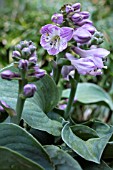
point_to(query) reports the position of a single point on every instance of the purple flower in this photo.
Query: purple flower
(54, 39)
(57, 18)
(84, 65)
(94, 53)
(7, 74)
(84, 21)
(23, 64)
(29, 90)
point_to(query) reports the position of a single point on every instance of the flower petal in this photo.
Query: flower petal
(67, 33)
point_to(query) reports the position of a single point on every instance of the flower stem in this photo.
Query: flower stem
(20, 103)
(74, 82)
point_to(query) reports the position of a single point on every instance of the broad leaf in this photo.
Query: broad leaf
(91, 149)
(11, 160)
(17, 139)
(45, 99)
(12, 67)
(90, 93)
(61, 159)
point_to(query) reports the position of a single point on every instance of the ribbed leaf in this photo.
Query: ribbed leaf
(45, 99)
(90, 93)
(90, 149)
(61, 159)
(10, 160)
(17, 139)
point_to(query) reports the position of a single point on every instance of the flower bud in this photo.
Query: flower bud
(82, 36)
(84, 21)
(18, 47)
(57, 18)
(7, 74)
(23, 64)
(24, 44)
(16, 55)
(29, 90)
(32, 48)
(76, 17)
(32, 60)
(76, 7)
(7, 108)
(85, 14)
(69, 9)
(40, 74)
(26, 52)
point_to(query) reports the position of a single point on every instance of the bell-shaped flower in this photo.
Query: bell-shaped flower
(54, 39)
(94, 53)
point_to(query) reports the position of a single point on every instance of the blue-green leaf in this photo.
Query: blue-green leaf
(11, 160)
(19, 140)
(90, 93)
(61, 159)
(90, 149)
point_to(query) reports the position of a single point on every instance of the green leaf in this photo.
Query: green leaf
(10, 160)
(19, 140)
(12, 67)
(61, 159)
(101, 128)
(91, 149)
(90, 93)
(45, 99)
(35, 109)
(84, 132)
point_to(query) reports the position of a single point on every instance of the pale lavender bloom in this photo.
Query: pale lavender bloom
(94, 53)
(33, 60)
(57, 18)
(83, 65)
(54, 39)
(29, 90)
(90, 62)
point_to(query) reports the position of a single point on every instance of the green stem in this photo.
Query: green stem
(57, 73)
(20, 103)
(74, 82)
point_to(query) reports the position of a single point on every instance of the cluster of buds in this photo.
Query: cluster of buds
(25, 57)
(72, 24)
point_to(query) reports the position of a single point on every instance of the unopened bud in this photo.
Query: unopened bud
(7, 74)
(32, 60)
(57, 18)
(24, 44)
(69, 9)
(32, 48)
(76, 7)
(29, 90)
(16, 55)
(23, 64)
(26, 52)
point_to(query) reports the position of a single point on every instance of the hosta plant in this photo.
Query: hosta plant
(40, 125)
